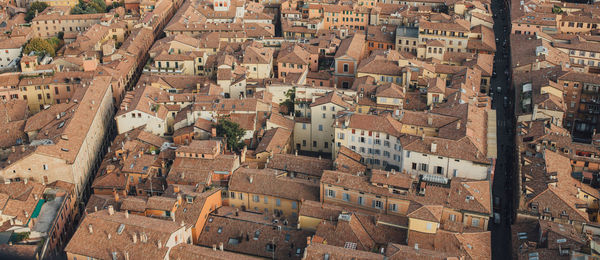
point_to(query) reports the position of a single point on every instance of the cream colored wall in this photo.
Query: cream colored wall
(155, 125)
(248, 201)
(422, 225)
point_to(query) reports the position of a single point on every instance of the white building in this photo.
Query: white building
(10, 50)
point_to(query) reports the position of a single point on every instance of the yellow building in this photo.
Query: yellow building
(270, 191)
(467, 202)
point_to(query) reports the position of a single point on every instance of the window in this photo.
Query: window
(326, 145)
(321, 126)
(294, 205)
(341, 136)
(324, 115)
(439, 169)
(361, 201)
(303, 125)
(255, 198)
(475, 222)
(45, 167)
(414, 166)
(314, 143)
(452, 217)
(346, 68)
(377, 204)
(423, 167)
(393, 207)
(428, 226)
(232, 195)
(266, 200)
(278, 202)
(331, 193)
(346, 196)
(303, 142)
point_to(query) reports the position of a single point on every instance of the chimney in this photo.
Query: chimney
(111, 210)
(126, 254)
(429, 120)
(416, 246)
(134, 237)
(213, 132)
(159, 244)
(214, 247)
(90, 228)
(108, 236)
(458, 125)
(176, 188)
(433, 147)
(221, 246)
(179, 199)
(126, 213)
(95, 208)
(12, 148)
(243, 154)
(250, 179)
(116, 195)
(25, 180)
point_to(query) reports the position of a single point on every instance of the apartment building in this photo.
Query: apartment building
(268, 191)
(582, 52)
(347, 58)
(581, 99)
(455, 203)
(125, 235)
(54, 20)
(454, 35)
(72, 150)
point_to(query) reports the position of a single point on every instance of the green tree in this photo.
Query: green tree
(35, 6)
(40, 47)
(232, 132)
(291, 98)
(556, 10)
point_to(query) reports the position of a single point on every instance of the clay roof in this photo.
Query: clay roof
(200, 147)
(189, 251)
(311, 166)
(318, 251)
(349, 161)
(98, 244)
(281, 121)
(269, 182)
(352, 47)
(431, 213)
(275, 140)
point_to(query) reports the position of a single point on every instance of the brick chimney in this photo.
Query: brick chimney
(111, 210)
(116, 195)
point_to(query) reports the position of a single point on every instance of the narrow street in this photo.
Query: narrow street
(502, 102)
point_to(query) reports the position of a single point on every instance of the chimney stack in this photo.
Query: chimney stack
(159, 244)
(116, 195)
(134, 237)
(221, 246)
(250, 179)
(429, 120)
(213, 131)
(433, 147)
(214, 247)
(126, 213)
(90, 228)
(458, 125)
(111, 210)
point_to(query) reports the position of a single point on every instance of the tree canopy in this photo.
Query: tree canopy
(91, 7)
(41, 46)
(35, 6)
(232, 132)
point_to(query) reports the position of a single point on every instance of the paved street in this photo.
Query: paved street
(502, 187)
